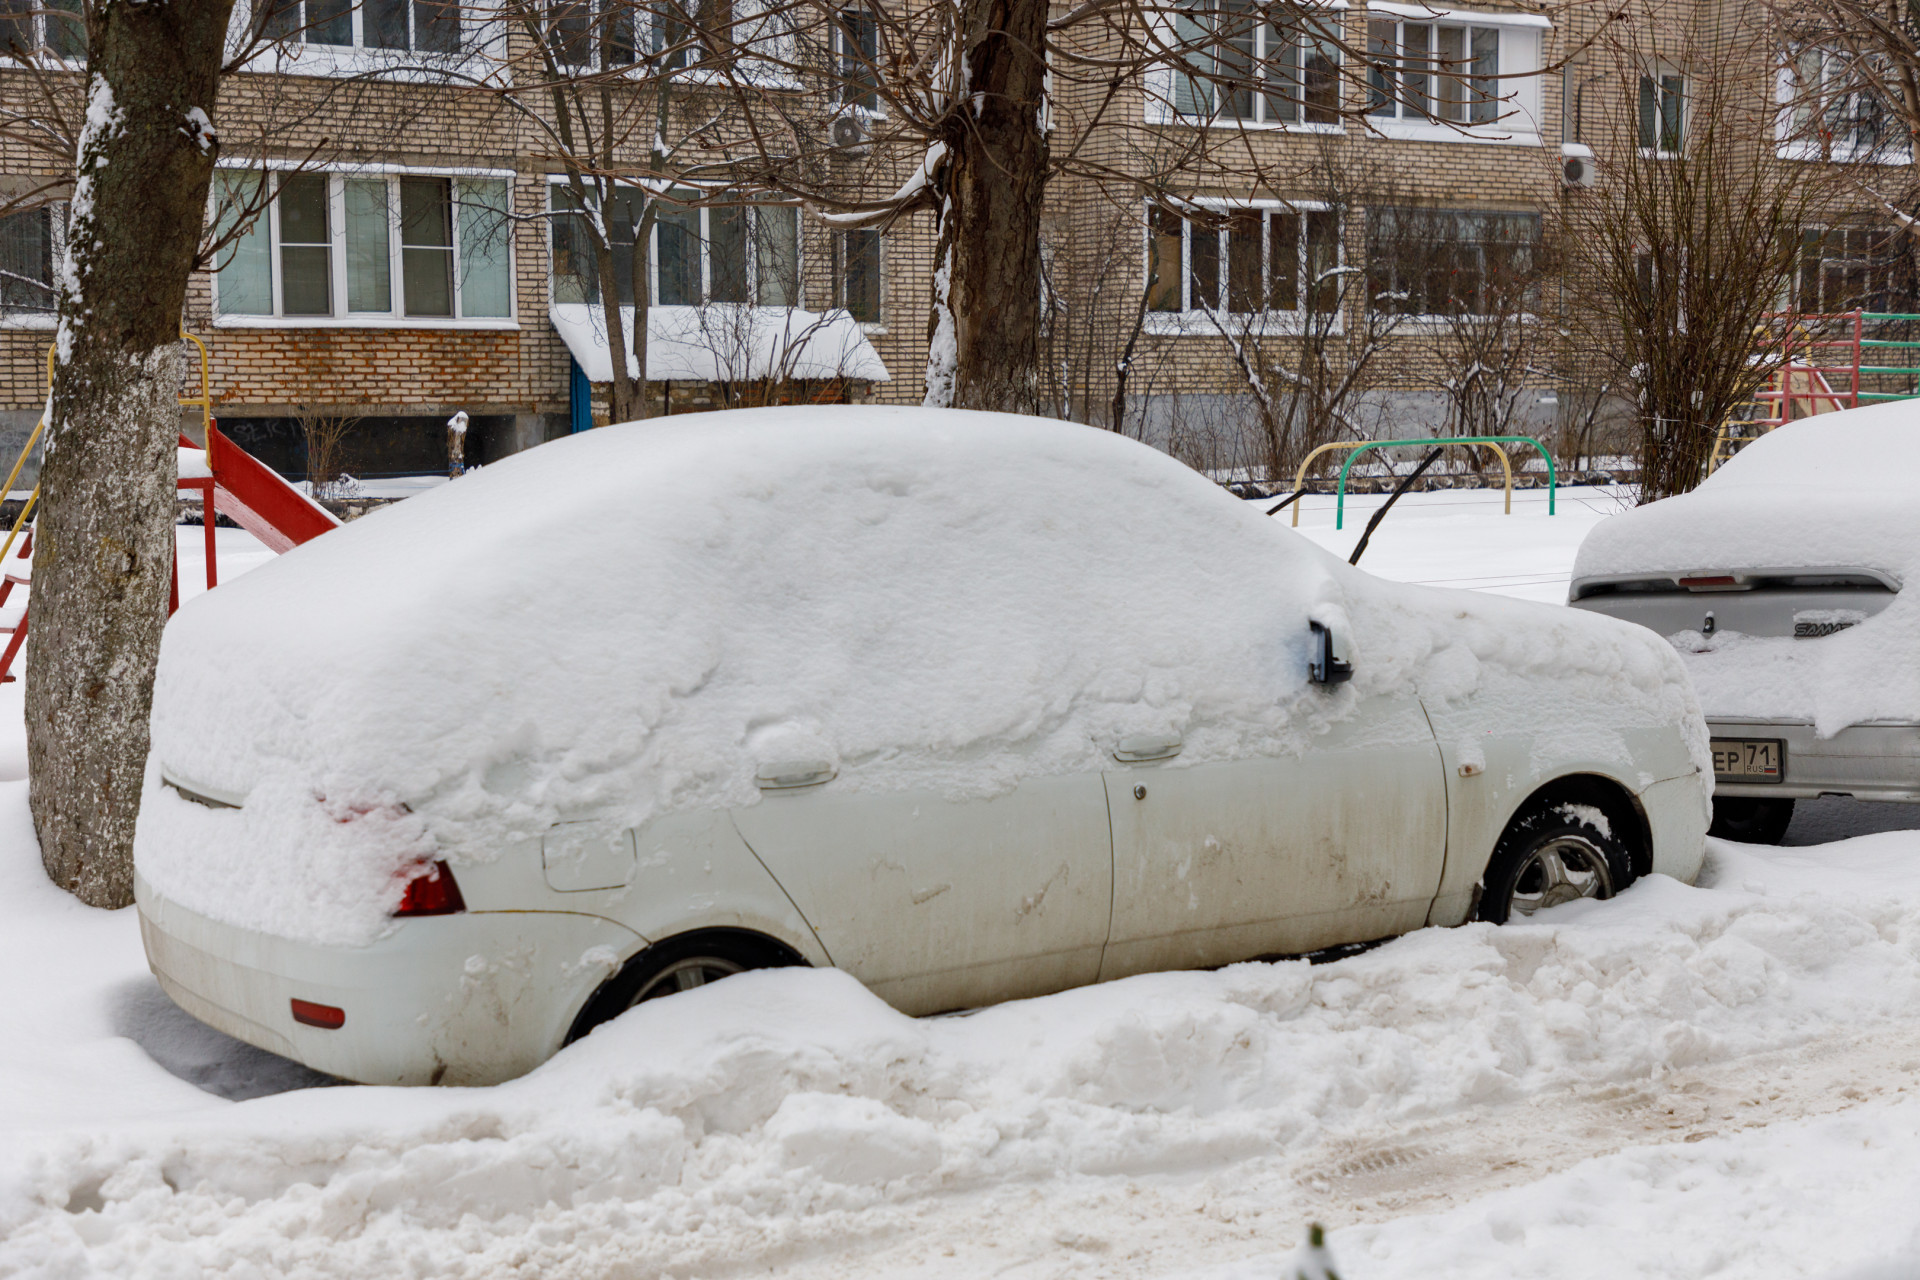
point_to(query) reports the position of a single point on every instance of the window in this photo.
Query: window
(1832, 108)
(1846, 267)
(27, 254)
(856, 274)
(856, 59)
(607, 34)
(1662, 113)
(1243, 68)
(728, 253)
(1255, 260)
(421, 26)
(28, 27)
(1446, 262)
(336, 246)
(1438, 71)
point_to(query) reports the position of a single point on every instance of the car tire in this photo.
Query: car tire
(1751, 819)
(676, 965)
(1549, 855)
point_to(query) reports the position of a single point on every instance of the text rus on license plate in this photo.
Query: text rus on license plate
(1749, 759)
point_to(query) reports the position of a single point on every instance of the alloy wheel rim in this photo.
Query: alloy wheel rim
(685, 975)
(1561, 870)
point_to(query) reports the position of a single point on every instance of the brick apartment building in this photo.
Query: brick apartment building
(414, 269)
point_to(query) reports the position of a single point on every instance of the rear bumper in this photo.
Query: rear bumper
(1865, 761)
(474, 998)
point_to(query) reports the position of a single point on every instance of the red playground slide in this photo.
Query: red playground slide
(255, 497)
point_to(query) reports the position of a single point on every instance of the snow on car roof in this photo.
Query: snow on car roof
(1833, 491)
(630, 621)
(1837, 492)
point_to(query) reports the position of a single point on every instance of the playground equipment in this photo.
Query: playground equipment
(228, 479)
(1357, 447)
(1822, 368)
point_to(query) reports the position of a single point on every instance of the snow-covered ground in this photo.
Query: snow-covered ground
(1720, 1080)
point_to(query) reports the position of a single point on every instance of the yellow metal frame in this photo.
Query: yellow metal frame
(21, 461)
(1300, 476)
(204, 401)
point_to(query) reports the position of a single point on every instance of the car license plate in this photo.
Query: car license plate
(1749, 759)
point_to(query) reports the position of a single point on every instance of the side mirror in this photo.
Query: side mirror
(1329, 661)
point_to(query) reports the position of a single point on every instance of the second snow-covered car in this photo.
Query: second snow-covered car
(972, 706)
(1779, 581)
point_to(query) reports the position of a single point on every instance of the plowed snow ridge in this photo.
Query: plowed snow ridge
(788, 1122)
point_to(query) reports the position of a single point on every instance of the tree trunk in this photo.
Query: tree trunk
(103, 547)
(984, 333)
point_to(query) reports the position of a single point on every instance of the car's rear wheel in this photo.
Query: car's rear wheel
(1750, 819)
(676, 965)
(1551, 855)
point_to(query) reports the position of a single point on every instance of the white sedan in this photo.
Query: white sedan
(1779, 581)
(972, 706)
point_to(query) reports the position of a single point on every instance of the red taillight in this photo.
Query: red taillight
(432, 893)
(1710, 582)
(324, 1016)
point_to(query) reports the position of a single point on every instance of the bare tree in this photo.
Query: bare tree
(104, 543)
(1675, 259)
(985, 103)
(323, 429)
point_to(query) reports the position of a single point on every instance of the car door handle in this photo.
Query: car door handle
(783, 775)
(1147, 746)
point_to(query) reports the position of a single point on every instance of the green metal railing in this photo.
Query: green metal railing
(1340, 499)
(1888, 344)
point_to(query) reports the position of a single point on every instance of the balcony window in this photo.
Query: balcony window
(1253, 261)
(1237, 66)
(1433, 72)
(334, 246)
(727, 253)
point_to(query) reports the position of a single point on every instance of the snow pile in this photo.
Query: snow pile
(630, 621)
(780, 1114)
(1837, 491)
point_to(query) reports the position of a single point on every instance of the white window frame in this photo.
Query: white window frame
(1193, 321)
(1520, 111)
(1161, 81)
(559, 182)
(41, 54)
(1657, 75)
(1792, 129)
(396, 317)
(837, 43)
(483, 40)
(57, 232)
(837, 264)
(1436, 320)
(1264, 58)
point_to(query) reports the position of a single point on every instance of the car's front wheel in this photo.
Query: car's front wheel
(1554, 854)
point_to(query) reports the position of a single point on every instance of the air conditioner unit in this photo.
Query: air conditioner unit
(1577, 168)
(849, 136)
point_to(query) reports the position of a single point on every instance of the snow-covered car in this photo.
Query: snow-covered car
(878, 688)
(1778, 581)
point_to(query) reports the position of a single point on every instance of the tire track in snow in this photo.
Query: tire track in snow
(1150, 1226)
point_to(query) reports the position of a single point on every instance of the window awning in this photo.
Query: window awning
(727, 342)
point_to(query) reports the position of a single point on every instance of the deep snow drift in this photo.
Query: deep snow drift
(890, 590)
(787, 1116)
